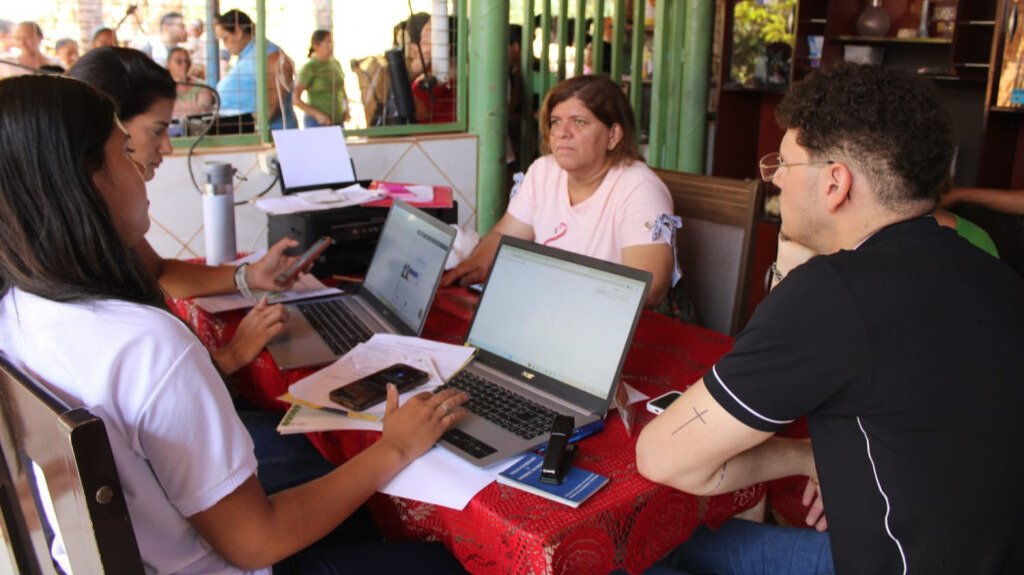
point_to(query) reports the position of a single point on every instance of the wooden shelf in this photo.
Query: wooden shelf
(890, 40)
(1007, 109)
(767, 89)
(958, 65)
(953, 78)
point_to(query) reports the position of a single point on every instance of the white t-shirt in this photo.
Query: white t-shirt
(624, 211)
(177, 441)
(159, 51)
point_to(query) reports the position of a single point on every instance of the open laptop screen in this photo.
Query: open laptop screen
(313, 158)
(561, 318)
(408, 262)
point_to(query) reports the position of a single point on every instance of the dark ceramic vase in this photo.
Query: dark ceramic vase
(874, 20)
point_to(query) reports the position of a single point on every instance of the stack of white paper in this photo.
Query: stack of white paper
(455, 480)
(440, 360)
(315, 200)
(308, 419)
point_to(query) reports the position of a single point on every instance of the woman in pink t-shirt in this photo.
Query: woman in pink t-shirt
(591, 193)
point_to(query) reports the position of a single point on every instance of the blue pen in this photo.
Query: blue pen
(581, 432)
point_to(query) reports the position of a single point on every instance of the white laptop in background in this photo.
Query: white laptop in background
(313, 158)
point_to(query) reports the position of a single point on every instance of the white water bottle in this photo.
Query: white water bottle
(219, 214)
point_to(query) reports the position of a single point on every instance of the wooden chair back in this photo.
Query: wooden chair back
(50, 448)
(716, 243)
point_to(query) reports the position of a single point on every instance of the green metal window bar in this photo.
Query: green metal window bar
(262, 135)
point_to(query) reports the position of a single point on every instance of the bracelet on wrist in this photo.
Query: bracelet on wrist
(241, 283)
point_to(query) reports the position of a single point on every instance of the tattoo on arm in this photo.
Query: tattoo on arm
(697, 416)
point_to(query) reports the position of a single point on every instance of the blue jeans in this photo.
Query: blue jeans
(417, 557)
(748, 548)
(283, 460)
(356, 545)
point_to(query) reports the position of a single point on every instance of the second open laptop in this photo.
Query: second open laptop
(552, 329)
(394, 298)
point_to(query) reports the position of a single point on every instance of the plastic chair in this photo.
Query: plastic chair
(716, 244)
(69, 447)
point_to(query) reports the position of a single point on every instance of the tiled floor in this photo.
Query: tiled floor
(176, 208)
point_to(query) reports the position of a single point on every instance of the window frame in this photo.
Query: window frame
(262, 135)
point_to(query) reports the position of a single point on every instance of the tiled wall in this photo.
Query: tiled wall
(176, 208)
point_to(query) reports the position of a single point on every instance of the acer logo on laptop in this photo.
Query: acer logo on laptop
(528, 375)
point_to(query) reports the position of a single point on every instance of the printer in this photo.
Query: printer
(317, 158)
(355, 230)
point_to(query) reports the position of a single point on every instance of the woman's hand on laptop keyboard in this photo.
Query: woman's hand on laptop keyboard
(262, 324)
(416, 426)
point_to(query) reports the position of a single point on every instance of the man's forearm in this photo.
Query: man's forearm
(1008, 201)
(698, 447)
(775, 458)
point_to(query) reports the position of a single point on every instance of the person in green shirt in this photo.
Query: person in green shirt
(323, 81)
(968, 230)
(964, 227)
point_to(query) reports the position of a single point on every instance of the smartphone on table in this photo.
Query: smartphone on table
(308, 257)
(661, 403)
(372, 389)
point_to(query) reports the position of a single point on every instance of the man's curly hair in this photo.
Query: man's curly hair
(887, 122)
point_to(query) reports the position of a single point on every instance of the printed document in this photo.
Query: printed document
(440, 360)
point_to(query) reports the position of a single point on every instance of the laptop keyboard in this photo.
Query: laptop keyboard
(507, 410)
(336, 323)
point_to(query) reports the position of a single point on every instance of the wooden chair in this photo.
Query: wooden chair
(716, 244)
(70, 449)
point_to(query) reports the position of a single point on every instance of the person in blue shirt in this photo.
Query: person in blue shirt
(237, 88)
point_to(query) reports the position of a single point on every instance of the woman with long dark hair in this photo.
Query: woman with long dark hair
(80, 311)
(145, 94)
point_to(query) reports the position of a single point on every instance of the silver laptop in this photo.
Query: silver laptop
(394, 298)
(552, 329)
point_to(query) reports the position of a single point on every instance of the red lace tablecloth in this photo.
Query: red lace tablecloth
(629, 524)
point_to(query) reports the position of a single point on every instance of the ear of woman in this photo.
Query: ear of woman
(614, 136)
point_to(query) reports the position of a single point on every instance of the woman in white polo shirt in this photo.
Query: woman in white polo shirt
(80, 311)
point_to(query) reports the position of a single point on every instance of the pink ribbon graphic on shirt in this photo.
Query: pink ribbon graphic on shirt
(560, 230)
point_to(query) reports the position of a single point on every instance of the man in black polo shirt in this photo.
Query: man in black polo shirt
(903, 345)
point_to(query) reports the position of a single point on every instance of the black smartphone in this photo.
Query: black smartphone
(308, 257)
(661, 403)
(372, 389)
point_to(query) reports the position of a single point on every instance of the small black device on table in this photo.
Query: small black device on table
(559, 453)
